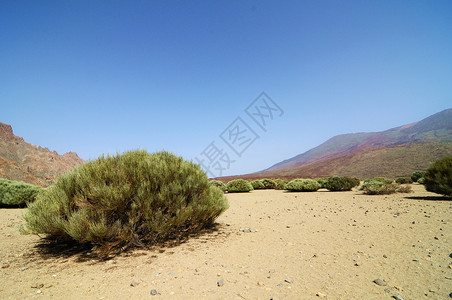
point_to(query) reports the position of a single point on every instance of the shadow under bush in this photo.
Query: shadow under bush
(133, 199)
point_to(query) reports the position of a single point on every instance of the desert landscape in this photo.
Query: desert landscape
(269, 244)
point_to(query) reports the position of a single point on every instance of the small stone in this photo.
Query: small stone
(134, 283)
(397, 297)
(380, 282)
(357, 264)
(220, 282)
(288, 280)
(24, 268)
(5, 266)
(416, 259)
(154, 292)
(38, 286)
(385, 256)
(260, 283)
(38, 292)
(320, 295)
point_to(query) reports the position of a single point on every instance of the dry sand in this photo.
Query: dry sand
(329, 245)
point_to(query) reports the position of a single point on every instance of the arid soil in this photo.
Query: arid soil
(268, 245)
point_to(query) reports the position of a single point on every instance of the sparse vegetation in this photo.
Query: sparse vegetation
(219, 184)
(404, 180)
(321, 181)
(268, 183)
(257, 184)
(438, 178)
(302, 185)
(417, 175)
(379, 187)
(280, 184)
(239, 186)
(131, 199)
(16, 193)
(341, 183)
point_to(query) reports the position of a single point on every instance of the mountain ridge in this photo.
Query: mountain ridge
(26, 162)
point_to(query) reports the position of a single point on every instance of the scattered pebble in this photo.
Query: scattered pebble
(397, 297)
(24, 268)
(134, 283)
(380, 282)
(416, 259)
(5, 266)
(220, 282)
(288, 280)
(154, 292)
(320, 295)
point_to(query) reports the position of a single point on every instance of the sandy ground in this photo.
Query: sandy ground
(329, 245)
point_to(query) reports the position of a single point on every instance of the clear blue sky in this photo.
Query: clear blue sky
(106, 76)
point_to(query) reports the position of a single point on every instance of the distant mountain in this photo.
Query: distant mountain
(395, 152)
(22, 161)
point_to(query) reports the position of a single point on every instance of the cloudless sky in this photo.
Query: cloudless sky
(108, 76)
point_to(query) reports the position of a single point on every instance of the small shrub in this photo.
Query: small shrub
(421, 180)
(417, 175)
(438, 177)
(340, 183)
(302, 185)
(15, 193)
(377, 187)
(130, 199)
(321, 181)
(257, 184)
(239, 186)
(268, 183)
(404, 189)
(218, 184)
(356, 181)
(404, 180)
(280, 184)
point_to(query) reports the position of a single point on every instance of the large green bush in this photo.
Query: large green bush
(417, 175)
(438, 178)
(218, 184)
(15, 193)
(131, 199)
(341, 183)
(302, 185)
(280, 184)
(268, 183)
(257, 184)
(239, 186)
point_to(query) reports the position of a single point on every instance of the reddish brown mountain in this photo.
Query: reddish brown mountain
(392, 153)
(22, 161)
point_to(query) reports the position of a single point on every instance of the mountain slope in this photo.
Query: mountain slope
(437, 127)
(22, 161)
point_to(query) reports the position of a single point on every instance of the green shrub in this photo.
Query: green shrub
(269, 183)
(218, 184)
(404, 189)
(421, 180)
(280, 184)
(403, 180)
(417, 175)
(378, 187)
(239, 186)
(340, 183)
(131, 199)
(302, 185)
(321, 181)
(438, 178)
(257, 185)
(356, 181)
(15, 193)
